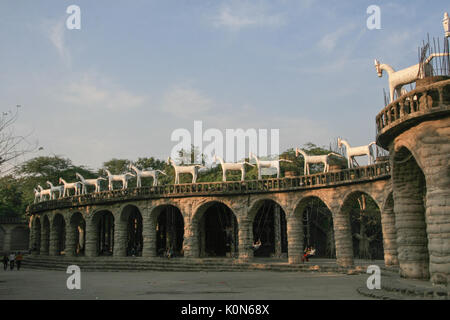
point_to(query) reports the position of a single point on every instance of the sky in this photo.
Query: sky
(138, 70)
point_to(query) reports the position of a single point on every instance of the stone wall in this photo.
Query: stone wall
(429, 145)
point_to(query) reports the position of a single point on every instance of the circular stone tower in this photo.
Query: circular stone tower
(415, 129)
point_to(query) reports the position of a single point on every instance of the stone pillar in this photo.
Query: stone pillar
(120, 237)
(410, 225)
(389, 236)
(190, 244)
(45, 238)
(277, 230)
(201, 235)
(233, 245)
(54, 239)
(149, 235)
(295, 238)
(91, 245)
(71, 239)
(343, 238)
(36, 239)
(245, 233)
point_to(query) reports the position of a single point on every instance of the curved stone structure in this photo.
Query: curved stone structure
(416, 131)
(109, 211)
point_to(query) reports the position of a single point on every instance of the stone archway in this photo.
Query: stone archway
(36, 245)
(169, 231)
(311, 220)
(57, 235)
(270, 227)
(131, 220)
(76, 235)
(100, 234)
(366, 229)
(45, 236)
(409, 194)
(216, 230)
(389, 233)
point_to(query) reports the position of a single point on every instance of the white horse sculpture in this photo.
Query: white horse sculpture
(146, 174)
(408, 75)
(325, 159)
(267, 164)
(357, 151)
(193, 170)
(240, 166)
(67, 186)
(45, 192)
(89, 182)
(59, 189)
(37, 195)
(118, 177)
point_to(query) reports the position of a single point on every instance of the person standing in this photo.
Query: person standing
(19, 259)
(5, 262)
(12, 257)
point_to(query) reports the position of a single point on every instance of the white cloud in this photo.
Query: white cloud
(236, 15)
(330, 41)
(55, 32)
(183, 101)
(100, 93)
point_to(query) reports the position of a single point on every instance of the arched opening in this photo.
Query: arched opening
(366, 230)
(45, 236)
(78, 226)
(269, 227)
(133, 219)
(218, 231)
(318, 227)
(409, 193)
(36, 245)
(59, 226)
(105, 233)
(20, 238)
(169, 231)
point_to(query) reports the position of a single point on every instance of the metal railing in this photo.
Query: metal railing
(376, 171)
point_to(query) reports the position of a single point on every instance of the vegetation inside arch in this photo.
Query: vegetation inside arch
(269, 227)
(170, 231)
(218, 232)
(318, 229)
(105, 234)
(365, 219)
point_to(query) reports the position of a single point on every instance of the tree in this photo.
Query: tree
(115, 166)
(12, 146)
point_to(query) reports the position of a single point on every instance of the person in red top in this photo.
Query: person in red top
(19, 259)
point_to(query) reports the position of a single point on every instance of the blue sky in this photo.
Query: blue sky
(137, 70)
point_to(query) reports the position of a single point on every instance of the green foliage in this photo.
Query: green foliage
(16, 191)
(11, 197)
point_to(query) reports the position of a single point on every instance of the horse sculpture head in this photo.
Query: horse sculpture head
(378, 68)
(339, 142)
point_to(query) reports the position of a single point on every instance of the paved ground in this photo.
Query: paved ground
(40, 284)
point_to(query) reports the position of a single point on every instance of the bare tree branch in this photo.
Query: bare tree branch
(12, 146)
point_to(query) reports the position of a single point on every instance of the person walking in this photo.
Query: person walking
(5, 262)
(12, 257)
(19, 259)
